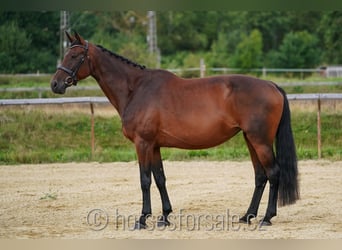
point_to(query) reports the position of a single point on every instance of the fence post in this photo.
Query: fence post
(319, 142)
(92, 131)
(202, 68)
(40, 93)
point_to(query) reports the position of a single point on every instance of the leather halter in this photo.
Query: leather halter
(71, 79)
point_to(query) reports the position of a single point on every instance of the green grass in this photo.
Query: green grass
(34, 136)
(313, 89)
(49, 196)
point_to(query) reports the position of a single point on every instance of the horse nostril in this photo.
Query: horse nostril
(54, 84)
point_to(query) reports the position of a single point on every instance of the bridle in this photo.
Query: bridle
(71, 79)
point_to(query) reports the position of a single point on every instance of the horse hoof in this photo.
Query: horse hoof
(139, 226)
(265, 223)
(246, 219)
(162, 222)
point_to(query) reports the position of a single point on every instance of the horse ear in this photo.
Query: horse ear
(79, 38)
(71, 39)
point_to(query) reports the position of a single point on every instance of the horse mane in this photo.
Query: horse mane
(122, 58)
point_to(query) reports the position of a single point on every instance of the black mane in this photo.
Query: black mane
(124, 59)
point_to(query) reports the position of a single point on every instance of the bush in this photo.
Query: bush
(298, 50)
(14, 47)
(219, 52)
(248, 53)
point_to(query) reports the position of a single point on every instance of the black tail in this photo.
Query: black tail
(286, 158)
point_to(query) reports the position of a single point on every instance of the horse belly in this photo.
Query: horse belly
(197, 135)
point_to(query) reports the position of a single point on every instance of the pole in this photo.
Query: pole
(319, 142)
(152, 32)
(202, 68)
(64, 26)
(152, 36)
(92, 131)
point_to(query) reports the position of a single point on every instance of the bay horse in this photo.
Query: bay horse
(159, 109)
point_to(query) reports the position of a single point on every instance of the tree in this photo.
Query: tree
(223, 38)
(298, 50)
(182, 31)
(331, 32)
(219, 52)
(32, 40)
(273, 26)
(14, 45)
(248, 53)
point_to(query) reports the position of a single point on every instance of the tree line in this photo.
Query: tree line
(29, 41)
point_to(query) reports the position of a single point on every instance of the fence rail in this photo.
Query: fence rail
(44, 101)
(70, 100)
(328, 71)
(93, 100)
(40, 90)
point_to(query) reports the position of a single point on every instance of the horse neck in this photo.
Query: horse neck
(116, 78)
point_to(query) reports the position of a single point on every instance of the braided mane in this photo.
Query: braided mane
(122, 58)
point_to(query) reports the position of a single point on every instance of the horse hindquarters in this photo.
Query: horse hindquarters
(260, 125)
(280, 170)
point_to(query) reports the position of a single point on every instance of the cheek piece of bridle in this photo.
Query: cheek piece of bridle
(71, 79)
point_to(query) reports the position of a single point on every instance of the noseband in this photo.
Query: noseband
(71, 79)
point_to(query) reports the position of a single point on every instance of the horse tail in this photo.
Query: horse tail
(286, 158)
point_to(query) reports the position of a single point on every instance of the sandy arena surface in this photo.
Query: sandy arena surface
(95, 200)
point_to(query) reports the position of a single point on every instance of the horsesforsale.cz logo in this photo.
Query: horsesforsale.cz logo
(98, 220)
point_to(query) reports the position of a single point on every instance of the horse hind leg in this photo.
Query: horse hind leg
(260, 182)
(273, 175)
(265, 155)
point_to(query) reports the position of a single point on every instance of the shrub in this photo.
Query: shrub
(248, 53)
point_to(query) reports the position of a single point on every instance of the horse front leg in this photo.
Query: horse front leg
(160, 179)
(145, 183)
(145, 154)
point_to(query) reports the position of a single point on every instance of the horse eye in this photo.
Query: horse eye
(73, 55)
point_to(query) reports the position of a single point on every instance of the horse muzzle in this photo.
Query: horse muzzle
(58, 88)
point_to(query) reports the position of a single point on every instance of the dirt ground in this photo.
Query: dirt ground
(95, 200)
